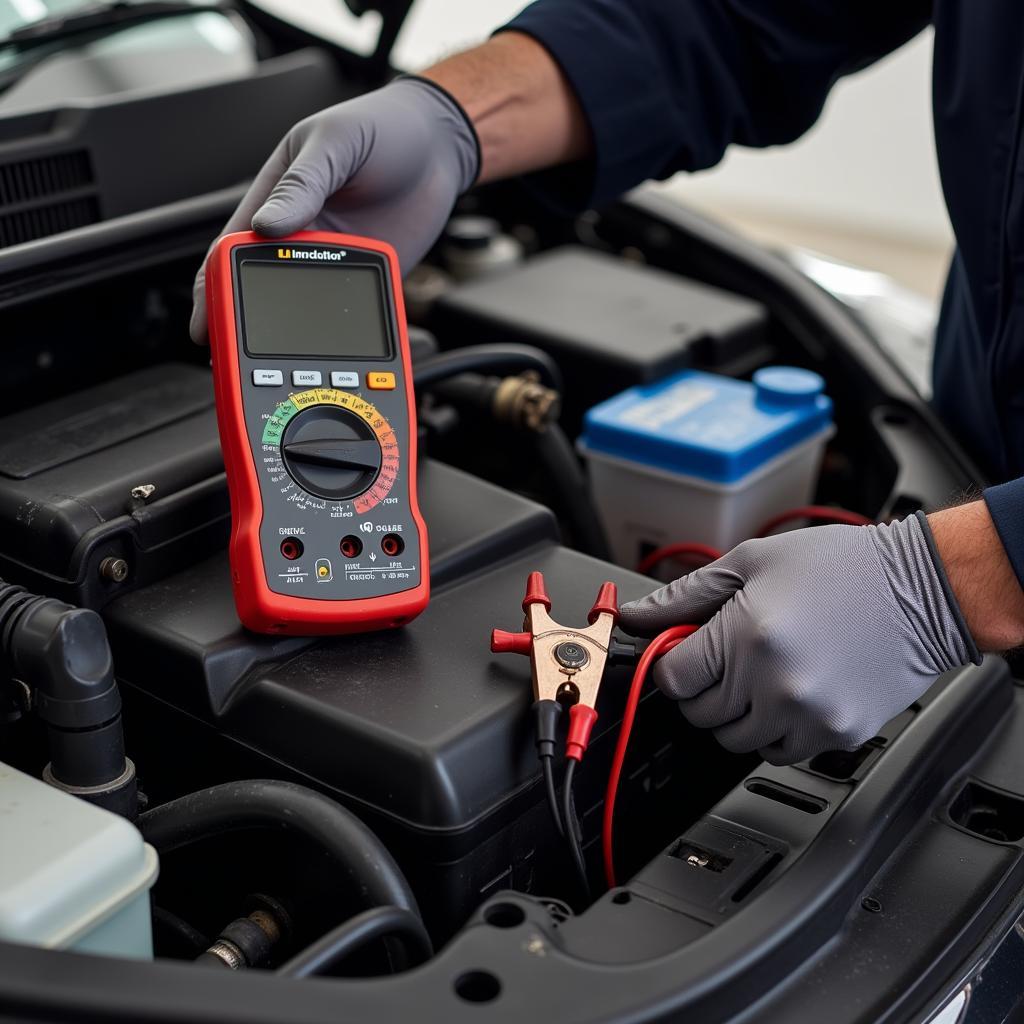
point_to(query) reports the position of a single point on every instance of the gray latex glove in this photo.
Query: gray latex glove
(388, 165)
(813, 639)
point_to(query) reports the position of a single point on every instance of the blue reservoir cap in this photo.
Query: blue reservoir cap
(788, 385)
(709, 426)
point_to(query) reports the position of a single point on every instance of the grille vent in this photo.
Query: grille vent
(25, 180)
(31, 191)
(40, 221)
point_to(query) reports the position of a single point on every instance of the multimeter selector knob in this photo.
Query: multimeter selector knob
(331, 452)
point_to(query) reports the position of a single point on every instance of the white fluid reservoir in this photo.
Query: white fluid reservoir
(703, 458)
(72, 876)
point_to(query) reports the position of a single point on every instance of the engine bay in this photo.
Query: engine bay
(734, 875)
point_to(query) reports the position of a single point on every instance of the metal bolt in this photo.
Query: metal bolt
(143, 492)
(114, 569)
(524, 402)
(571, 655)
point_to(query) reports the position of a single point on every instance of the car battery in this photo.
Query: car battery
(422, 732)
(704, 458)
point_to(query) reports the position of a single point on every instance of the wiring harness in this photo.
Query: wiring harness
(704, 553)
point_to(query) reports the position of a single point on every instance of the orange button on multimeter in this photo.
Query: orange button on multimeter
(320, 478)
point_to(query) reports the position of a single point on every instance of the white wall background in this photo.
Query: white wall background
(868, 164)
(861, 185)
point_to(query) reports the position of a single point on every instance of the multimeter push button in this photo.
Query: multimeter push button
(344, 379)
(307, 378)
(378, 380)
(267, 378)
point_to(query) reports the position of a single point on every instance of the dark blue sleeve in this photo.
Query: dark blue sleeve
(667, 85)
(1006, 506)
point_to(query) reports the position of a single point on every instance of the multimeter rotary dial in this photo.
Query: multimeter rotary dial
(331, 452)
(330, 445)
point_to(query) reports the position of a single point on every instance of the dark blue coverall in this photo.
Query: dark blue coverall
(667, 85)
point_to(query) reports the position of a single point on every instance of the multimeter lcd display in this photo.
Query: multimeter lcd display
(304, 310)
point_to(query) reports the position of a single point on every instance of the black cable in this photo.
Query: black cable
(564, 477)
(572, 828)
(547, 767)
(546, 714)
(500, 360)
(362, 859)
(354, 934)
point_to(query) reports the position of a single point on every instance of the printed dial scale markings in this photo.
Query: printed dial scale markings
(277, 423)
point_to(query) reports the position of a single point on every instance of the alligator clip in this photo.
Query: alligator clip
(561, 658)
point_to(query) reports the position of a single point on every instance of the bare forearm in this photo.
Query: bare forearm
(985, 585)
(524, 111)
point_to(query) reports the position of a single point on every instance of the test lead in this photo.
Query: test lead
(564, 660)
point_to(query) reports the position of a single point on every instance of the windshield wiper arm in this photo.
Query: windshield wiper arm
(100, 18)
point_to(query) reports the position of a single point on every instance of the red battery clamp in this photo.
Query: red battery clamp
(317, 422)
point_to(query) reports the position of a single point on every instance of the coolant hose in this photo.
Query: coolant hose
(265, 803)
(499, 360)
(564, 476)
(356, 933)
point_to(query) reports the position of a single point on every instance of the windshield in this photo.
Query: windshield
(432, 29)
(15, 14)
(160, 49)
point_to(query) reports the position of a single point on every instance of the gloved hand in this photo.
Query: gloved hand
(813, 639)
(388, 165)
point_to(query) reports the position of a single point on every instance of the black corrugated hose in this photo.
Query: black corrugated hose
(61, 654)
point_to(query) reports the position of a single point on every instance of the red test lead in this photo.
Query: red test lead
(661, 644)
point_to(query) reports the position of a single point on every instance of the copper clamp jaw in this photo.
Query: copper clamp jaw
(563, 658)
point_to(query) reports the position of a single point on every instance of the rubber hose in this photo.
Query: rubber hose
(499, 360)
(566, 480)
(180, 929)
(266, 803)
(472, 390)
(355, 934)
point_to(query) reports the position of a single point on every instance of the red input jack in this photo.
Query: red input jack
(391, 544)
(351, 546)
(291, 548)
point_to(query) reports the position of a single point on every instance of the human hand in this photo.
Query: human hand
(388, 165)
(812, 639)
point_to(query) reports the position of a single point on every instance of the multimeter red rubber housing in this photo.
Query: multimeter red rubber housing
(317, 423)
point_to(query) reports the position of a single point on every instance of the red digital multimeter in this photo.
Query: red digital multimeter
(318, 427)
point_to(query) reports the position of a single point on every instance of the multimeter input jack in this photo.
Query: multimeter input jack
(391, 544)
(291, 548)
(351, 547)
